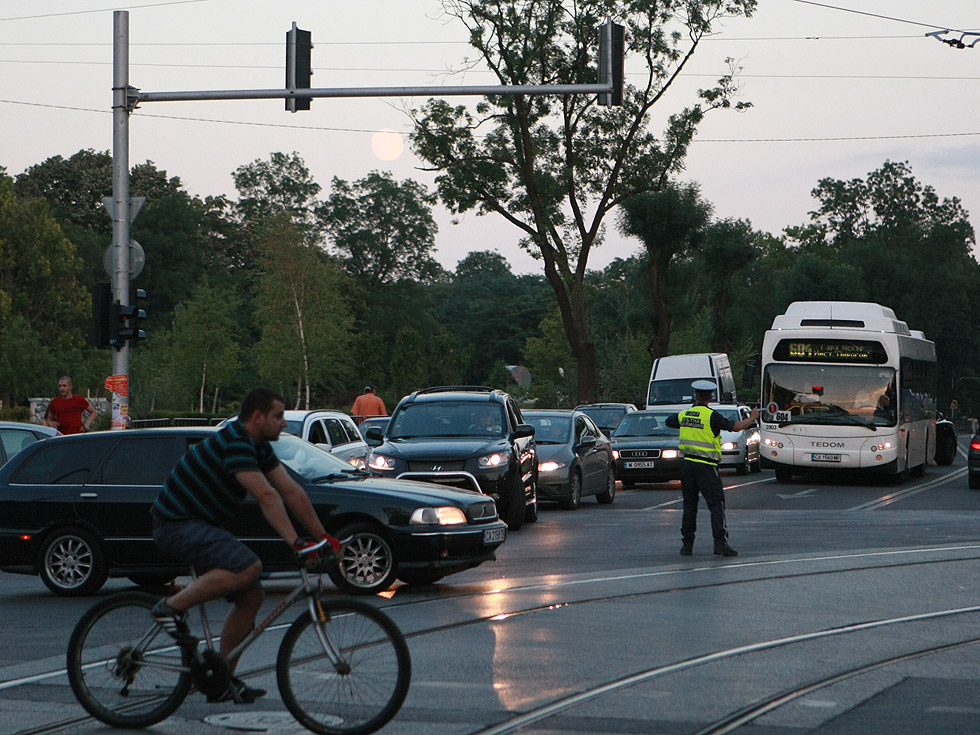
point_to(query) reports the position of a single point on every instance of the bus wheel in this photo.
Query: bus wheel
(784, 474)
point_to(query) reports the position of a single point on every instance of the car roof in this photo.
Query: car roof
(301, 414)
(604, 405)
(31, 427)
(456, 393)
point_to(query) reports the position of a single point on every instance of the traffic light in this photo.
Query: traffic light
(120, 324)
(299, 69)
(102, 320)
(612, 57)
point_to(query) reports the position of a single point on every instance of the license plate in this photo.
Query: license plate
(494, 535)
(639, 465)
(825, 457)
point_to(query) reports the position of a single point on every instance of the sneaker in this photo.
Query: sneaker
(687, 549)
(238, 692)
(174, 622)
(725, 550)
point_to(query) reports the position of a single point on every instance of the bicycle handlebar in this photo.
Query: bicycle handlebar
(318, 545)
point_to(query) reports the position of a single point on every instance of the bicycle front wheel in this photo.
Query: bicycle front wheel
(348, 674)
(123, 667)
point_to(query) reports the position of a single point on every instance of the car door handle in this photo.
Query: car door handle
(89, 496)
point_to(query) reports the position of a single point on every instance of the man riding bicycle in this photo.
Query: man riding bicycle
(205, 490)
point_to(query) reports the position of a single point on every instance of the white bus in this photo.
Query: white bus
(847, 385)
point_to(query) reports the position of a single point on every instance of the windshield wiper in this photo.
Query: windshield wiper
(333, 476)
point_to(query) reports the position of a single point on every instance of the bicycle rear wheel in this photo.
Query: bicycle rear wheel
(124, 668)
(369, 682)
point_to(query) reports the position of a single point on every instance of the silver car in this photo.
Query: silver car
(739, 449)
(15, 436)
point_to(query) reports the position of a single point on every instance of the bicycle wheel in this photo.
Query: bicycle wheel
(124, 668)
(368, 683)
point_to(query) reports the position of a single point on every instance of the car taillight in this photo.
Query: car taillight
(975, 444)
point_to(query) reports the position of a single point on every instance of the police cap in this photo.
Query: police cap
(705, 386)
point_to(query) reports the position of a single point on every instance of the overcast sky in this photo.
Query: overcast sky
(837, 88)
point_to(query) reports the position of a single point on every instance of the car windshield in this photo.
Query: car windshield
(294, 427)
(830, 394)
(645, 424)
(550, 429)
(448, 419)
(729, 413)
(306, 460)
(605, 418)
(678, 390)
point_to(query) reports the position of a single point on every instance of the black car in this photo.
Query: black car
(606, 415)
(973, 462)
(646, 449)
(470, 437)
(76, 510)
(574, 458)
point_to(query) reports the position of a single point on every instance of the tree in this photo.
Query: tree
(206, 340)
(669, 223)
(384, 229)
(281, 184)
(302, 313)
(554, 167)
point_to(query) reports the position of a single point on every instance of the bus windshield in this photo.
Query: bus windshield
(830, 394)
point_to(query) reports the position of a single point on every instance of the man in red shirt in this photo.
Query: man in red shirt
(367, 405)
(65, 410)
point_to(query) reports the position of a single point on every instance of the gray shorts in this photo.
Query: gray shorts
(204, 545)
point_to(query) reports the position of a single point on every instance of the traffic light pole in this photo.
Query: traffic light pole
(120, 209)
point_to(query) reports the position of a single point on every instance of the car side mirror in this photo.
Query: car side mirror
(375, 434)
(523, 430)
(587, 441)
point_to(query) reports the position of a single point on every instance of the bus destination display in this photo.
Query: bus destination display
(830, 350)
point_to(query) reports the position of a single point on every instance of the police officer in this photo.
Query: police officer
(700, 443)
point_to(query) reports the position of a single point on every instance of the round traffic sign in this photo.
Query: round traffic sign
(772, 407)
(137, 259)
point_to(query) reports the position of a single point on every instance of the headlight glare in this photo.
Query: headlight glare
(669, 454)
(493, 460)
(448, 515)
(381, 462)
(550, 466)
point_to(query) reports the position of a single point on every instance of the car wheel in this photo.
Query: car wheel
(609, 495)
(421, 576)
(784, 474)
(368, 563)
(513, 508)
(743, 466)
(72, 563)
(531, 511)
(974, 481)
(574, 499)
(945, 447)
(757, 465)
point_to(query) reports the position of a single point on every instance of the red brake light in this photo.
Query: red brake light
(975, 444)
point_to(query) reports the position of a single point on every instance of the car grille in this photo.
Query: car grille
(482, 511)
(436, 466)
(639, 454)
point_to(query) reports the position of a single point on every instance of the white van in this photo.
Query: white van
(671, 378)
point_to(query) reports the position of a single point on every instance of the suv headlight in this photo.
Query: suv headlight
(493, 460)
(448, 515)
(381, 462)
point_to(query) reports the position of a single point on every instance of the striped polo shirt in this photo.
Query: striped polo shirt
(203, 485)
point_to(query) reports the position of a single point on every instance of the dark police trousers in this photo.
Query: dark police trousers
(702, 478)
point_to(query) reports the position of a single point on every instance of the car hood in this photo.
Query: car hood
(461, 448)
(550, 451)
(628, 442)
(423, 493)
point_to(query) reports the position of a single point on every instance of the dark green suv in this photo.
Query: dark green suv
(465, 436)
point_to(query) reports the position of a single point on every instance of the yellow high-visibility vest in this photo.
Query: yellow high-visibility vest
(698, 442)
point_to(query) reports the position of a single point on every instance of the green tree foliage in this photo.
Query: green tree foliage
(408, 362)
(552, 166)
(281, 184)
(552, 365)
(486, 305)
(206, 341)
(39, 272)
(383, 229)
(669, 223)
(910, 250)
(28, 365)
(303, 313)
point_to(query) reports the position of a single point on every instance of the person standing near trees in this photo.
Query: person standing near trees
(368, 405)
(65, 410)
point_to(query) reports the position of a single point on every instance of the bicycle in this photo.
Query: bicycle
(343, 666)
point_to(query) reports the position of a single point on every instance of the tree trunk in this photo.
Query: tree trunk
(200, 397)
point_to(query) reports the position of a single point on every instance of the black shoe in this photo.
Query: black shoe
(687, 549)
(238, 692)
(725, 550)
(174, 622)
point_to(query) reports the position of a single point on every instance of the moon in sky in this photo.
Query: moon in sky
(387, 144)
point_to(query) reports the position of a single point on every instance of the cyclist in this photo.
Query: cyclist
(205, 490)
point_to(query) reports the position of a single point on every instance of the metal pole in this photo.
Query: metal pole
(120, 201)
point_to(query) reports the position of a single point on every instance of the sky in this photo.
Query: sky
(837, 89)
